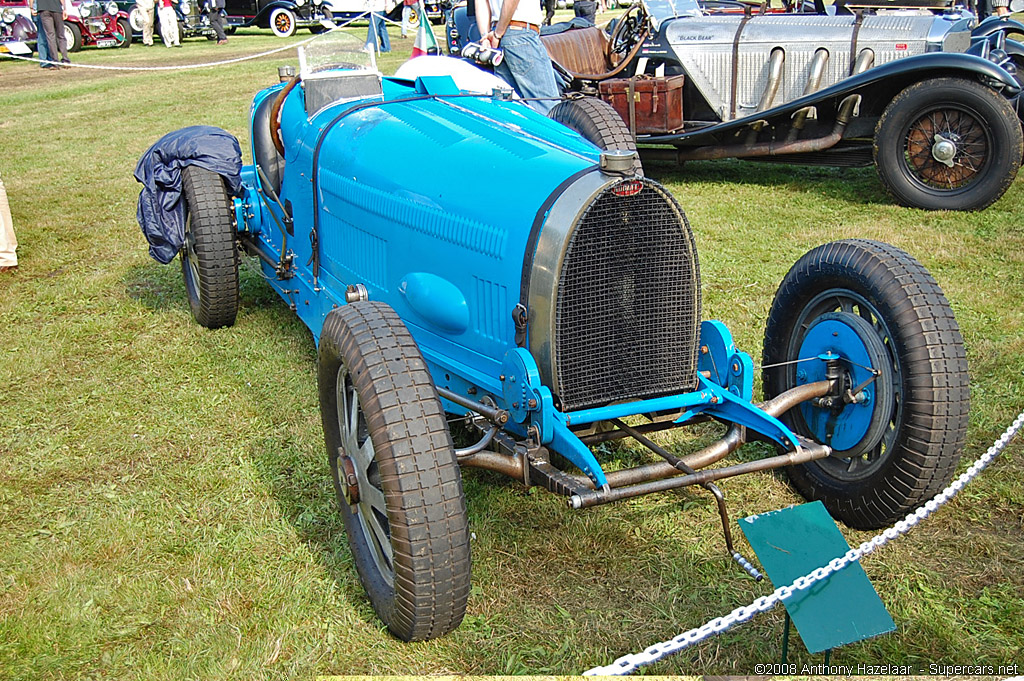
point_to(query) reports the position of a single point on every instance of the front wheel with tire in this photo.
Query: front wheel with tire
(209, 256)
(898, 422)
(395, 472)
(948, 144)
(328, 16)
(125, 30)
(73, 38)
(282, 22)
(597, 122)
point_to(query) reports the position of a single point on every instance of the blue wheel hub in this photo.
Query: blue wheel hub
(853, 422)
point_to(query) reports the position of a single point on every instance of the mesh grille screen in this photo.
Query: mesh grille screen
(628, 304)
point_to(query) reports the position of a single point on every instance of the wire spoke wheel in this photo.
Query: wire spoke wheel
(948, 147)
(948, 144)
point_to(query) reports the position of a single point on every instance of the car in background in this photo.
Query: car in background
(897, 89)
(17, 32)
(283, 17)
(193, 19)
(95, 24)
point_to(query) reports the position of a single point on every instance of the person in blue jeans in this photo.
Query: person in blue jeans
(377, 35)
(514, 27)
(41, 44)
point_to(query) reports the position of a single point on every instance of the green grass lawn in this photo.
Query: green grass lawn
(166, 510)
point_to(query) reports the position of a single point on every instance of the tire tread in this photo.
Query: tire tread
(216, 250)
(426, 506)
(932, 429)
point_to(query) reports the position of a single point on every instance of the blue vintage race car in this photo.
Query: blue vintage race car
(549, 315)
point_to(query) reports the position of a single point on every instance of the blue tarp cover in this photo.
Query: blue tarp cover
(161, 212)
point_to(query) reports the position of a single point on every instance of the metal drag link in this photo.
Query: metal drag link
(630, 663)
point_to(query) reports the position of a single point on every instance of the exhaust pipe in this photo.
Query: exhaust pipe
(679, 155)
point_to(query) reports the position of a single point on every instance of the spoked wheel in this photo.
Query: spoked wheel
(898, 429)
(395, 472)
(282, 22)
(948, 144)
(209, 256)
(328, 16)
(72, 37)
(124, 37)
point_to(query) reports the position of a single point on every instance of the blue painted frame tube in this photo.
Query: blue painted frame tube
(615, 411)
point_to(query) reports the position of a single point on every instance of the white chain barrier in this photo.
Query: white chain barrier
(630, 663)
(182, 67)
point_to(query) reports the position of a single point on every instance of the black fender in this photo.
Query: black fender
(908, 69)
(995, 24)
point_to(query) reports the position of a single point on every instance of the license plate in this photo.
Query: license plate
(106, 42)
(15, 47)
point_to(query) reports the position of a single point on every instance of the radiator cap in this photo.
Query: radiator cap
(618, 161)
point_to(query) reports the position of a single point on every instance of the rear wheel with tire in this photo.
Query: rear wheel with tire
(899, 427)
(135, 19)
(395, 472)
(125, 37)
(948, 144)
(209, 256)
(282, 22)
(73, 37)
(598, 122)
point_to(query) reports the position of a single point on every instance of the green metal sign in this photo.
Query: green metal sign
(842, 608)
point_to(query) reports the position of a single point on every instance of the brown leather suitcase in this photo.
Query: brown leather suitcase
(647, 104)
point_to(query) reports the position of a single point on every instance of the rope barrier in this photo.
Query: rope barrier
(630, 663)
(183, 67)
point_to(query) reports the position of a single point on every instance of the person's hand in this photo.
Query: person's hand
(1003, 11)
(490, 40)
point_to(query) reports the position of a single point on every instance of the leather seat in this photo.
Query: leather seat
(582, 52)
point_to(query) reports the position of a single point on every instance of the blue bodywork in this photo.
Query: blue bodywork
(372, 203)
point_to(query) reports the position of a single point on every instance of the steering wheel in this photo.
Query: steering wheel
(630, 30)
(275, 114)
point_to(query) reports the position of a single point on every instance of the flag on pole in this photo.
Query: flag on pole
(425, 43)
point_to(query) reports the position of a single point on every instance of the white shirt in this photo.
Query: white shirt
(528, 10)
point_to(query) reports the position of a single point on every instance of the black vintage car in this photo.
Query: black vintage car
(283, 17)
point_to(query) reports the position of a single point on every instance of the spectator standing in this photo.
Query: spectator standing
(168, 23)
(213, 8)
(377, 35)
(42, 45)
(514, 26)
(407, 7)
(586, 10)
(8, 242)
(147, 8)
(549, 11)
(52, 14)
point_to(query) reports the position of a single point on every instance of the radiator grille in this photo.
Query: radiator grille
(628, 303)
